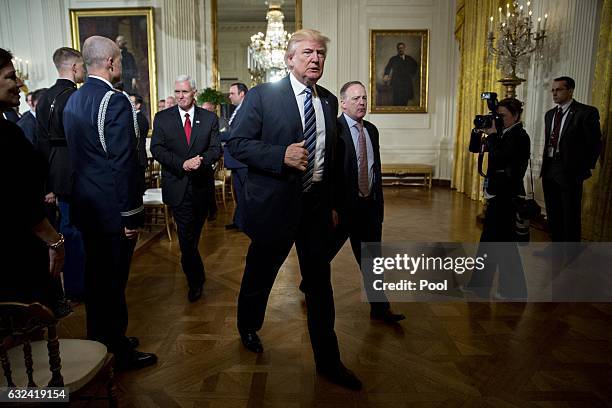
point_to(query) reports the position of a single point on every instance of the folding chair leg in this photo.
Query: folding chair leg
(167, 218)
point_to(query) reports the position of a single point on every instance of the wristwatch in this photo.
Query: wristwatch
(57, 244)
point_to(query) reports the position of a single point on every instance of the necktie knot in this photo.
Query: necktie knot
(186, 116)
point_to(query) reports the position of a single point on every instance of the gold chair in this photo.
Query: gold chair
(71, 363)
(220, 181)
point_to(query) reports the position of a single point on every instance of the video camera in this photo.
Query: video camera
(478, 141)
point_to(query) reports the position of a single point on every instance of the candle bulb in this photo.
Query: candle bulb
(491, 24)
(545, 19)
(539, 19)
(500, 14)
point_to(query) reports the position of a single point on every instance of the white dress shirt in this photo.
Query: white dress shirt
(299, 89)
(190, 112)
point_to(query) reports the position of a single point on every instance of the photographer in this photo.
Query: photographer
(508, 146)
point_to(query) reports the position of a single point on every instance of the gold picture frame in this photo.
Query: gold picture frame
(137, 26)
(398, 77)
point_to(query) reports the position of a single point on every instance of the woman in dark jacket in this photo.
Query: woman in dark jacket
(31, 242)
(509, 153)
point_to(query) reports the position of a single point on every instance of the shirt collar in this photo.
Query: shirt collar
(350, 121)
(566, 105)
(67, 79)
(103, 80)
(298, 87)
(510, 127)
(33, 113)
(191, 111)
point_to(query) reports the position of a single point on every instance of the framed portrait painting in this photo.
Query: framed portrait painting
(398, 71)
(133, 30)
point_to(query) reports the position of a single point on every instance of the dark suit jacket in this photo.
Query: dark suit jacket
(508, 160)
(580, 142)
(143, 129)
(169, 147)
(10, 115)
(270, 121)
(106, 195)
(52, 138)
(28, 124)
(348, 183)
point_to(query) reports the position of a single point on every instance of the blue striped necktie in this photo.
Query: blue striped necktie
(310, 138)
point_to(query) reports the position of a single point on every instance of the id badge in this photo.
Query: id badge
(551, 151)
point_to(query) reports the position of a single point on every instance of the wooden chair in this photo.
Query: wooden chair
(70, 363)
(156, 212)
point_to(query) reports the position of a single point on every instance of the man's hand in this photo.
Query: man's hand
(131, 233)
(192, 164)
(335, 219)
(50, 199)
(386, 79)
(296, 156)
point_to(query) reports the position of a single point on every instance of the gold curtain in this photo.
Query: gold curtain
(597, 200)
(476, 75)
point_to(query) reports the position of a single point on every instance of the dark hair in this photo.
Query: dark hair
(513, 105)
(65, 54)
(119, 86)
(38, 94)
(5, 57)
(241, 87)
(569, 82)
(138, 98)
(347, 86)
(161, 100)
(399, 43)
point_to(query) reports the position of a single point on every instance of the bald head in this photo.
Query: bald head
(103, 58)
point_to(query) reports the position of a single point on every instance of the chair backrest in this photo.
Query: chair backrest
(21, 323)
(219, 168)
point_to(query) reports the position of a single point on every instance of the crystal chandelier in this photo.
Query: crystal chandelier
(266, 54)
(516, 42)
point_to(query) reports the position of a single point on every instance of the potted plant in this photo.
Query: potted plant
(211, 95)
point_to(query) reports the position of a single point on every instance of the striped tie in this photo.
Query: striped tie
(363, 179)
(310, 138)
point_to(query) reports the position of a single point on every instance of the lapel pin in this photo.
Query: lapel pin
(197, 121)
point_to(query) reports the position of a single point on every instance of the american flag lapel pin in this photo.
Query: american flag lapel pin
(197, 121)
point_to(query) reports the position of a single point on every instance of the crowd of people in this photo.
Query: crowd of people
(302, 175)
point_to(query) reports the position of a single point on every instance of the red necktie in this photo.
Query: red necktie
(187, 128)
(362, 163)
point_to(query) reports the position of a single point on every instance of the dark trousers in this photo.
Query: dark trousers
(362, 227)
(262, 265)
(74, 265)
(563, 199)
(189, 217)
(238, 179)
(498, 242)
(106, 274)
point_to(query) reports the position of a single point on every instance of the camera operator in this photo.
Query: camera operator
(508, 146)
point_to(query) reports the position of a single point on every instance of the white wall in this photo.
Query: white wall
(410, 137)
(34, 29)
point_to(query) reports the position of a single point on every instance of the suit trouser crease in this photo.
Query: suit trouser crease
(189, 217)
(263, 263)
(107, 270)
(563, 199)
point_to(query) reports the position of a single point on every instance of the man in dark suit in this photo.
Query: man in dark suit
(143, 131)
(399, 72)
(11, 115)
(186, 143)
(129, 66)
(27, 123)
(572, 146)
(285, 133)
(52, 143)
(107, 206)
(361, 205)
(237, 93)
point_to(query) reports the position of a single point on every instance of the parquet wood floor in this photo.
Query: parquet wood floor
(442, 355)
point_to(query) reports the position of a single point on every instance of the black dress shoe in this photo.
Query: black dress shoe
(133, 341)
(135, 360)
(251, 341)
(387, 316)
(342, 376)
(194, 294)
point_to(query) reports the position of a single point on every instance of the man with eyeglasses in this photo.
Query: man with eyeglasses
(572, 146)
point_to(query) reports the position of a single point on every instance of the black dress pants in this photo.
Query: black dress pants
(262, 265)
(362, 227)
(107, 266)
(563, 199)
(189, 217)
